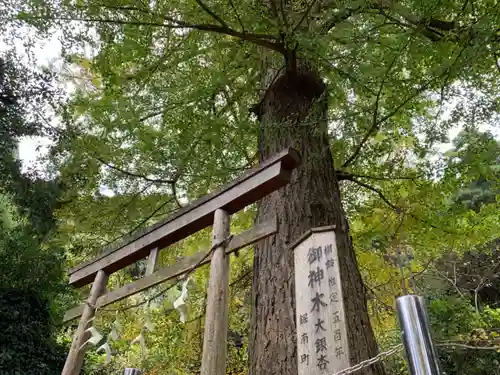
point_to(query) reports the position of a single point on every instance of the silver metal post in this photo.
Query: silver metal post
(415, 329)
(131, 371)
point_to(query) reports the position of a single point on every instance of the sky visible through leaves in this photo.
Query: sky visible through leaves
(426, 215)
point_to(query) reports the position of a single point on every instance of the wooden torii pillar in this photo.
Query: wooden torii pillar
(213, 209)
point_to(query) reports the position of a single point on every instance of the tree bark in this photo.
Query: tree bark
(294, 113)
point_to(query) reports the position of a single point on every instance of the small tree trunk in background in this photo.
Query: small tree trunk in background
(294, 113)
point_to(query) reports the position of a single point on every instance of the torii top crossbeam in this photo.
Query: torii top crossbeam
(247, 189)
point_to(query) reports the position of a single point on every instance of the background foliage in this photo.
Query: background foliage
(33, 293)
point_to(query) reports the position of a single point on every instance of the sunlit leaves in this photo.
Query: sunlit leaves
(158, 95)
(160, 116)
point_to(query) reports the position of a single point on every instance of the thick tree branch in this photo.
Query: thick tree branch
(431, 27)
(263, 40)
(343, 175)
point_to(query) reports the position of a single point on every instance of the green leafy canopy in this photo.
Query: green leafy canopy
(163, 91)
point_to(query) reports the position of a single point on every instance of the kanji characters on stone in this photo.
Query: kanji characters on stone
(315, 276)
(318, 302)
(314, 254)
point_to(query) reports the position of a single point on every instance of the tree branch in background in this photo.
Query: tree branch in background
(304, 16)
(143, 221)
(237, 281)
(452, 346)
(123, 206)
(283, 13)
(343, 15)
(452, 282)
(237, 15)
(136, 175)
(433, 35)
(166, 289)
(393, 206)
(174, 193)
(375, 123)
(211, 13)
(274, 10)
(378, 192)
(377, 298)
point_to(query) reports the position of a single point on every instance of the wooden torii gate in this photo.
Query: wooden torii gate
(214, 208)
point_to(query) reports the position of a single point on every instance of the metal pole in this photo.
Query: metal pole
(415, 329)
(131, 371)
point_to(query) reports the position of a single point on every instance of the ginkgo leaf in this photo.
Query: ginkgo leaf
(451, 153)
(403, 192)
(96, 81)
(379, 137)
(85, 63)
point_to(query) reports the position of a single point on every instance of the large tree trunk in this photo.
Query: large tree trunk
(293, 113)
